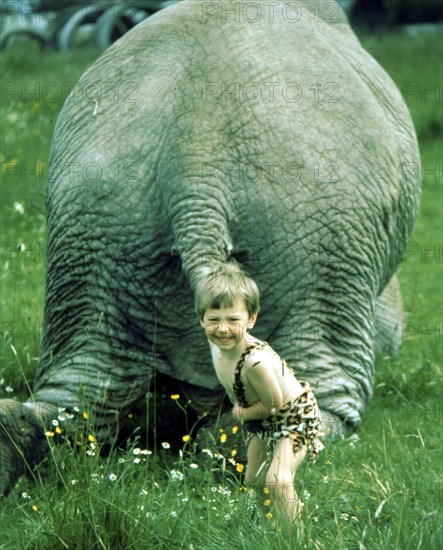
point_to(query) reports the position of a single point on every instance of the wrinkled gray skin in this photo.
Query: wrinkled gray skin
(179, 189)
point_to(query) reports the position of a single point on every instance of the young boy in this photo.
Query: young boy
(280, 414)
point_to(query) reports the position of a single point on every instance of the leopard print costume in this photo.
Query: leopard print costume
(299, 419)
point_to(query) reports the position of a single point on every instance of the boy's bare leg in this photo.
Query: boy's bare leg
(280, 480)
(256, 458)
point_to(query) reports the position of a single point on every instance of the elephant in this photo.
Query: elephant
(259, 132)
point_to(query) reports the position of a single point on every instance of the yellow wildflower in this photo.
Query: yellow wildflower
(266, 491)
(40, 168)
(269, 515)
(85, 416)
(91, 438)
(186, 438)
(233, 452)
(267, 502)
(175, 396)
(223, 438)
(240, 468)
(35, 508)
(49, 434)
(234, 429)
(9, 165)
(58, 430)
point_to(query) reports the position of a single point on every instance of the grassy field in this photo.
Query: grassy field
(378, 489)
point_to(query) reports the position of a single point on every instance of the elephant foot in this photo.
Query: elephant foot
(22, 440)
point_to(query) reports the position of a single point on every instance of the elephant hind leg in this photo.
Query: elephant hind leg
(389, 319)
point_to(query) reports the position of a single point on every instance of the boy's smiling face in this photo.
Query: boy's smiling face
(226, 327)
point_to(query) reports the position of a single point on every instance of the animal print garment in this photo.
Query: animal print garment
(298, 420)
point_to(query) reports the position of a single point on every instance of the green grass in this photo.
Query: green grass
(380, 489)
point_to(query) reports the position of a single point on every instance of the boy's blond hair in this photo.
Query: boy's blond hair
(222, 286)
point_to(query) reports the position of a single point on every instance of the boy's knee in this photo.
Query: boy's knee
(282, 491)
(280, 484)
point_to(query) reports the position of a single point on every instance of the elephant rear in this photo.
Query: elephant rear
(281, 143)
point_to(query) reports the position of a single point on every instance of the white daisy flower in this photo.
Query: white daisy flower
(19, 208)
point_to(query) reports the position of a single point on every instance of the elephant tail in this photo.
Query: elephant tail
(198, 212)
